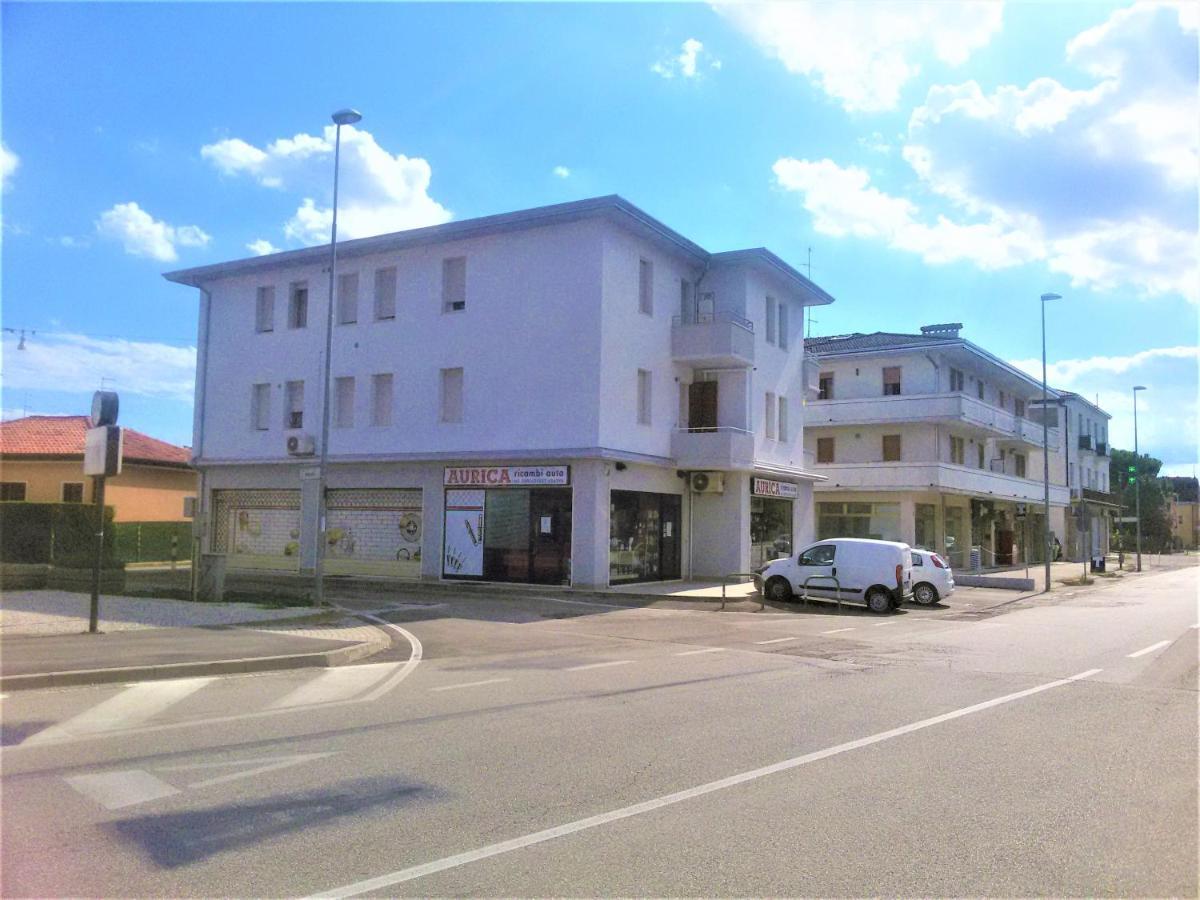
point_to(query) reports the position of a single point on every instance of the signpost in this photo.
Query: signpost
(101, 458)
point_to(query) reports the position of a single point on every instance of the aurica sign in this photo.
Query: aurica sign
(505, 476)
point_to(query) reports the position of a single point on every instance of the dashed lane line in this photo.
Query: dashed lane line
(469, 684)
(778, 640)
(837, 631)
(1146, 650)
(702, 650)
(599, 665)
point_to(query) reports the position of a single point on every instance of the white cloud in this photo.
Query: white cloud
(76, 363)
(143, 235)
(1107, 172)
(562, 172)
(378, 192)
(9, 162)
(1168, 417)
(863, 52)
(688, 63)
(261, 247)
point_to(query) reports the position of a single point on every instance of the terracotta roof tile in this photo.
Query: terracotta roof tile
(64, 436)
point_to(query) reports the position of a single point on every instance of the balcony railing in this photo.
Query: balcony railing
(720, 338)
(1085, 442)
(1102, 449)
(722, 447)
(1105, 497)
(915, 476)
(707, 318)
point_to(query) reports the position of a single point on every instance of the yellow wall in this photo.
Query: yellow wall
(138, 494)
(1184, 522)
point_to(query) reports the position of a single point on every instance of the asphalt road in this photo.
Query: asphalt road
(547, 748)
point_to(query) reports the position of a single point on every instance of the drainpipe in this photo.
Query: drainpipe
(201, 508)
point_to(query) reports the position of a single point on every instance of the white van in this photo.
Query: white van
(877, 573)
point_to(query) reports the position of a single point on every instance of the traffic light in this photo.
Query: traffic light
(1132, 475)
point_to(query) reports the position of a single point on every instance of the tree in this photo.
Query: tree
(1186, 490)
(1156, 521)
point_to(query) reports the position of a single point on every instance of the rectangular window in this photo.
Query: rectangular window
(956, 450)
(687, 302)
(347, 298)
(956, 380)
(643, 397)
(381, 399)
(891, 381)
(385, 293)
(454, 284)
(891, 448)
(770, 415)
(979, 388)
(1003, 400)
(72, 492)
(298, 305)
(783, 419)
(294, 414)
(1071, 474)
(825, 450)
(12, 490)
(260, 407)
(343, 393)
(771, 314)
(1019, 459)
(264, 310)
(979, 454)
(1019, 407)
(452, 395)
(646, 287)
(825, 386)
(783, 326)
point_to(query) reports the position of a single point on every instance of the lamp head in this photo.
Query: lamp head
(1046, 297)
(347, 117)
(1139, 387)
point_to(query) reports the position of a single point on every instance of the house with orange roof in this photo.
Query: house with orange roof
(41, 460)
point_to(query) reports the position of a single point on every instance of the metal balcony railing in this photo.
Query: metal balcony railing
(1102, 449)
(1085, 442)
(708, 318)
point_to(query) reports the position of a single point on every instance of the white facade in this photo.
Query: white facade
(566, 336)
(928, 439)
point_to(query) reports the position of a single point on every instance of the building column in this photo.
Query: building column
(908, 520)
(720, 529)
(590, 512)
(804, 517)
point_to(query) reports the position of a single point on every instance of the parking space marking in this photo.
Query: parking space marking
(382, 882)
(837, 631)
(469, 684)
(778, 640)
(599, 665)
(1146, 650)
(702, 650)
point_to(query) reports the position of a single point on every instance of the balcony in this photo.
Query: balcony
(1085, 442)
(930, 476)
(713, 448)
(1104, 498)
(713, 340)
(1102, 449)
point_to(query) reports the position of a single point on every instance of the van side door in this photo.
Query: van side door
(818, 563)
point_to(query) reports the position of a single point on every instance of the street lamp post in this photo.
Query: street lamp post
(1137, 481)
(1046, 444)
(340, 118)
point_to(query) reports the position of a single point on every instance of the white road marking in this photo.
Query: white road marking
(778, 640)
(599, 665)
(462, 859)
(881, 624)
(128, 709)
(272, 763)
(332, 685)
(1197, 625)
(469, 684)
(837, 631)
(378, 692)
(1146, 650)
(114, 790)
(703, 650)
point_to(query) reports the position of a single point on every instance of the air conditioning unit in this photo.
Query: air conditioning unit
(707, 482)
(301, 445)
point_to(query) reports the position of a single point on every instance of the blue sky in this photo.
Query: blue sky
(945, 162)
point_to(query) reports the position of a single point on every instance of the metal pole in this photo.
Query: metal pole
(94, 618)
(1137, 483)
(323, 461)
(1045, 452)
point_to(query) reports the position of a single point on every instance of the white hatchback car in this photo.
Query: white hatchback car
(932, 577)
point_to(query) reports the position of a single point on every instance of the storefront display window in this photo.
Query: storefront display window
(878, 521)
(925, 526)
(956, 549)
(770, 529)
(644, 536)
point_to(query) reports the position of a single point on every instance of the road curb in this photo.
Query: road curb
(339, 656)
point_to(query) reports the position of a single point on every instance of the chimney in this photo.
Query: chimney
(946, 329)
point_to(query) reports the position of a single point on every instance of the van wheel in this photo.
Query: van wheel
(925, 594)
(778, 589)
(879, 600)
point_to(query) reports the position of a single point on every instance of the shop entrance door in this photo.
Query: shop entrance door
(550, 540)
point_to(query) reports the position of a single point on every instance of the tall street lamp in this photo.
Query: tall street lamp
(1137, 481)
(340, 118)
(1046, 443)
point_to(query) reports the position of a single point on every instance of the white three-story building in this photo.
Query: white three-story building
(572, 394)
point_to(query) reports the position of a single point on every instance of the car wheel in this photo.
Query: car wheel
(925, 594)
(778, 589)
(879, 600)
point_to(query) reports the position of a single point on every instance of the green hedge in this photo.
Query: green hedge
(58, 533)
(151, 541)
